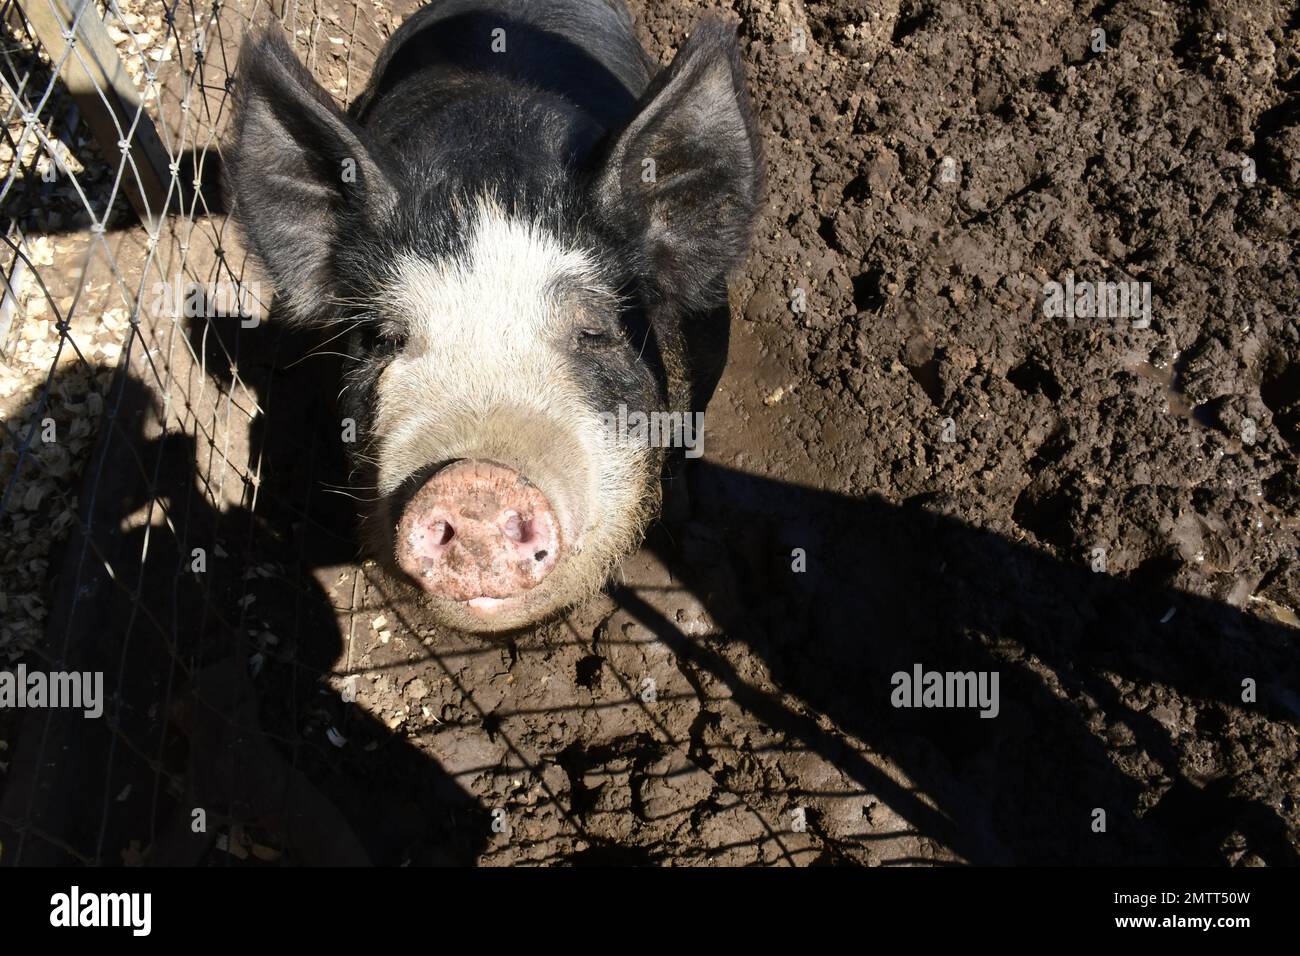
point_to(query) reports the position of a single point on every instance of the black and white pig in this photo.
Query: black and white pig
(519, 227)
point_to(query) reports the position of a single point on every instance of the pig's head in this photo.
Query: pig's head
(502, 292)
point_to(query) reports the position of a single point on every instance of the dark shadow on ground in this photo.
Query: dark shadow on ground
(205, 713)
(197, 724)
(210, 715)
(888, 587)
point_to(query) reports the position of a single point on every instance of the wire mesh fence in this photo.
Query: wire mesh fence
(174, 517)
(83, 274)
(258, 686)
(131, 452)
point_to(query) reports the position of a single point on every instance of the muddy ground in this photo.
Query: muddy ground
(907, 463)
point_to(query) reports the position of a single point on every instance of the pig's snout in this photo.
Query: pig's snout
(478, 532)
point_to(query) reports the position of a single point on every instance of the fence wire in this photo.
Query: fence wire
(174, 518)
(103, 368)
(139, 445)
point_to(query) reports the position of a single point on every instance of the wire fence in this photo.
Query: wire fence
(174, 522)
(83, 272)
(131, 455)
(259, 686)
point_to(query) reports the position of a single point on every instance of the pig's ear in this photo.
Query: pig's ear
(301, 174)
(685, 175)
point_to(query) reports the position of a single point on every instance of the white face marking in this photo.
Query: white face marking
(486, 373)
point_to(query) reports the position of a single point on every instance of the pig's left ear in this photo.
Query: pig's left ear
(684, 178)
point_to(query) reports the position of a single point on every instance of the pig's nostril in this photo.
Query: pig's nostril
(515, 527)
(441, 532)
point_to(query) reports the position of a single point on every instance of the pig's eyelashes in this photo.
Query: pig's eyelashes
(384, 338)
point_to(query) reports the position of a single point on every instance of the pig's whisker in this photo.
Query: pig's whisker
(330, 484)
(345, 355)
(318, 349)
(348, 494)
(342, 333)
(347, 300)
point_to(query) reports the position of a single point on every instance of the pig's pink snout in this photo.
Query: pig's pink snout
(478, 532)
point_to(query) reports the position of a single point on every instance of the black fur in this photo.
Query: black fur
(568, 104)
(558, 128)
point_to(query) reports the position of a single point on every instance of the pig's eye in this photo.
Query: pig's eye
(387, 337)
(593, 336)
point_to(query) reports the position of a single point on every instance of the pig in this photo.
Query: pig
(519, 227)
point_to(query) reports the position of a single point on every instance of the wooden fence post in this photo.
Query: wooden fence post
(109, 102)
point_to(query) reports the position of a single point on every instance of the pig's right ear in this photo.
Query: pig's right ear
(301, 174)
(683, 180)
